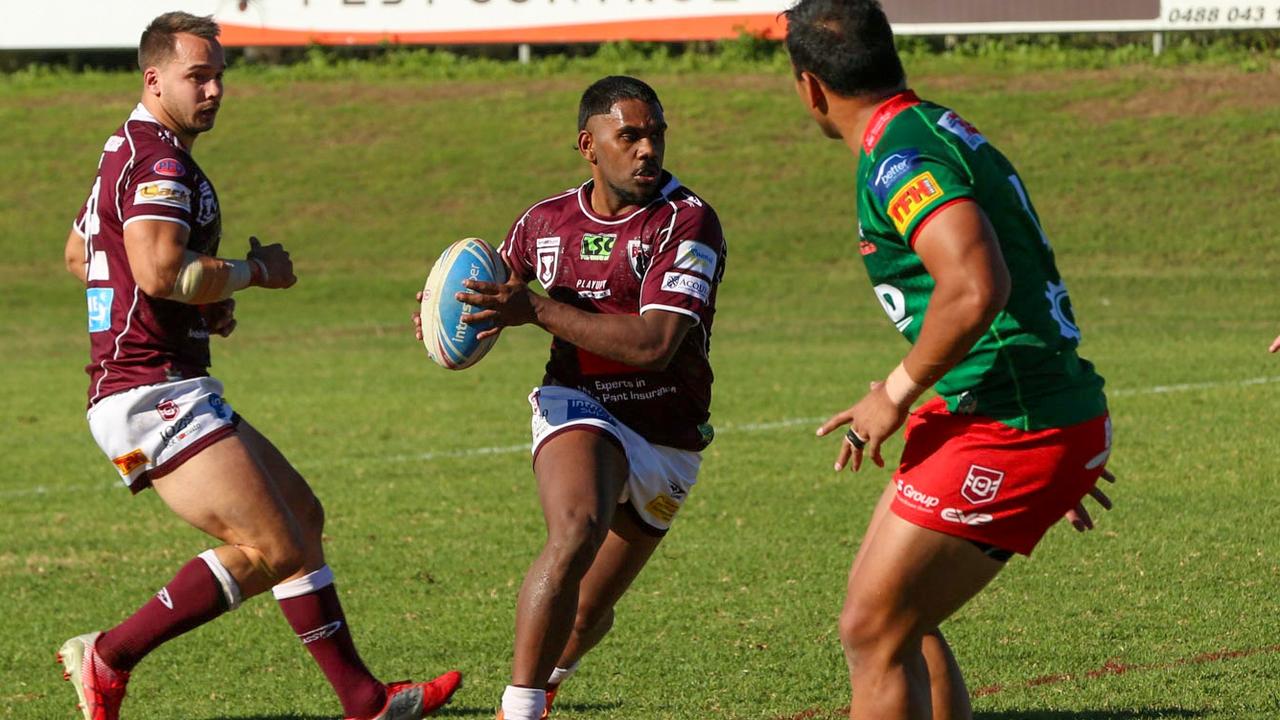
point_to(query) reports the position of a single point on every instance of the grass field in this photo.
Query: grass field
(1157, 185)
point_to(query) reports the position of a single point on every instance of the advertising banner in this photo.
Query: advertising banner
(69, 24)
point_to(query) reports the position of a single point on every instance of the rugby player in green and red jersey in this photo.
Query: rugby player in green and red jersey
(1019, 432)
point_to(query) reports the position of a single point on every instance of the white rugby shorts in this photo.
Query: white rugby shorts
(660, 477)
(148, 431)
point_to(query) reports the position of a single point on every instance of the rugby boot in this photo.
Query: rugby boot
(412, 701)
(100, 688)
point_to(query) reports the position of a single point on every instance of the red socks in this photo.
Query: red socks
(311, 606)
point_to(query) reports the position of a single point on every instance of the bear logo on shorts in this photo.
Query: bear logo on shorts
(982, 484)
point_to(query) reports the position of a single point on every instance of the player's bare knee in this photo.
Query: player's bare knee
(593, 621)
(868, 629)
(573, 542)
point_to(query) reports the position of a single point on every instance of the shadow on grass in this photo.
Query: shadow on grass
(1143, 714)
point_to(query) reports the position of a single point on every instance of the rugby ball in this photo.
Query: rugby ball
(450, 342)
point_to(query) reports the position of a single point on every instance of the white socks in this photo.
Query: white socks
(521, 703)
(560, 674)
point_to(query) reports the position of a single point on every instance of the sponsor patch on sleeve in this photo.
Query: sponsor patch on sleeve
(891, 169)
(663, 508)
(911, 199)
(169, 167)
(696, 257)
(961, 128)
(690, 285)
(163, 192)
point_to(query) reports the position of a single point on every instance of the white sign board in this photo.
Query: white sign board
(67, 24)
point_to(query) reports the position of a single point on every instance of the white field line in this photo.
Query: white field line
(727, 428)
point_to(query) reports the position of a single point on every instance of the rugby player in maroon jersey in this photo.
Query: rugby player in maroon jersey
(145, 245)
(630, 262)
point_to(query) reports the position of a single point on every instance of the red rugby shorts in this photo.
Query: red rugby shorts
(979, 479)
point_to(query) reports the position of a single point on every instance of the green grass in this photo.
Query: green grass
(1156, 185)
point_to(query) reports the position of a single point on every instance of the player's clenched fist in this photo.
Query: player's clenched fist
(273, 268)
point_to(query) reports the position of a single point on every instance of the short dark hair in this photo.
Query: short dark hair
(847, 44)
(158, 39)
(606, 92)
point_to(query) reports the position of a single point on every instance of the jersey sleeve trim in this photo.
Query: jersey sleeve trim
(671, 308)
(75, 228)
(911, 241)
(178, 221)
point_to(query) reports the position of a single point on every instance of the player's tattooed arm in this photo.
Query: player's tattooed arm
(73, 255)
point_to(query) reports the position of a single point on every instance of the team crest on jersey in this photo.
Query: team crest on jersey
(961, 128)
(208, 204)
(981, 484)
(919, 193)
(890, 170)
(548, 259)
(597, 247)
(638, 256)
(169, 167)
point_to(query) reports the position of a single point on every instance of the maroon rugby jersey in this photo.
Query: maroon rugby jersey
(144, 174)
(668, 255)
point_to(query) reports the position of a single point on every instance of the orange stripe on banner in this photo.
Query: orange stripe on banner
(670, 29)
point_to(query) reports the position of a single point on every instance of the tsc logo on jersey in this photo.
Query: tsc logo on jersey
(892, 169)
(961, 128)
(687, 285)
(169, 167)
(548, 259)
(919, 193)
(597, 247)
(696, 257)
(163, 192)
(981, 484)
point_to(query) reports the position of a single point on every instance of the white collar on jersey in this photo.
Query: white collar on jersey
(672, 185)
(142, 114)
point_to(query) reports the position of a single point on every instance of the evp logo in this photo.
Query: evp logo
(981, 484)
(919, 193)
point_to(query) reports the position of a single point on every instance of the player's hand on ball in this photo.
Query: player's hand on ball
(1079, 516)
(872, 420)
(275, 261)
(220, 317)
(417, 318)
(505, 305)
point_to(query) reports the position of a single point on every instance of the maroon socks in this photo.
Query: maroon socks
(192, 598)
(311, 606)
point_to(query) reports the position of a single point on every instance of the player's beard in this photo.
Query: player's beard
(633, 197)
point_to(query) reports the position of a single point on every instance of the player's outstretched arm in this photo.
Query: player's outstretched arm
(73, 255)
(164, 268)
(1275, 345)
